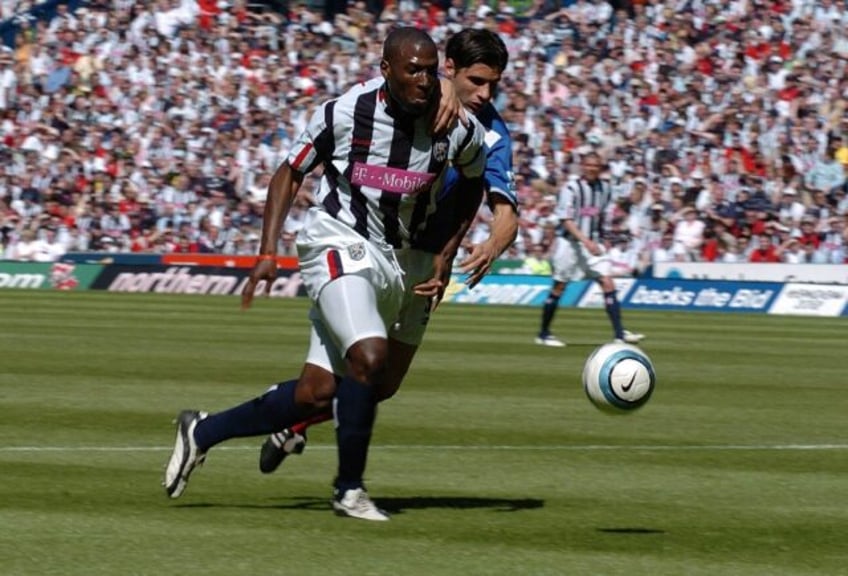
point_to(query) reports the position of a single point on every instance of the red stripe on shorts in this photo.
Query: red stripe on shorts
(334, 263)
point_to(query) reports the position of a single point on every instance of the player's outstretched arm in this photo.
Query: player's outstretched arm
(503, 232)
(281, 193)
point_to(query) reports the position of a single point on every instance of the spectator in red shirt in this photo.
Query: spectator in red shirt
(765, 251)
(808, 232)
(186, 245)
(507, 25)
(737, 151)
(208, 11)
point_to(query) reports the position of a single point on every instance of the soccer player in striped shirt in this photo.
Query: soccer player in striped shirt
(579, 252)
(382, 172)
(474, 61)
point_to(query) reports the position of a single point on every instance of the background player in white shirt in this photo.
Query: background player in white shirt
(579, 252)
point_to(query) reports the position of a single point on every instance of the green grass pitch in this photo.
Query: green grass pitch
(491, 459)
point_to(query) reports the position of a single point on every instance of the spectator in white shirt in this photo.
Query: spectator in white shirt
(47, 248)
(790, 209)
(689, 233)
(666, 251)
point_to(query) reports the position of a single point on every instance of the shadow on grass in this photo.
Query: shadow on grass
(396, 505)
(631, 530)
(399, 505)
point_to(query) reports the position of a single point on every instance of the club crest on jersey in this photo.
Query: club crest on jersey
(440, 151)
(356, 251)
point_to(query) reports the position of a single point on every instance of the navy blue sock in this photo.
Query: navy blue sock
(356, 408)
(271, 412)
(614, 313)
(548, 311)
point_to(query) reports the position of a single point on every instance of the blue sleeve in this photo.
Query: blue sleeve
(499, 176)
(497, 145)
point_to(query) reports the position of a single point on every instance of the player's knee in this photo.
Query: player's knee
(315, 389)
(556, 290)
(367, 360)
(316, 397)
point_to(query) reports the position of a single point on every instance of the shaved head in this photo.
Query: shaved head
(400, 38)
(410, 66)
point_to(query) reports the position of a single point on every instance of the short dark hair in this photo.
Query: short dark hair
(472, 46)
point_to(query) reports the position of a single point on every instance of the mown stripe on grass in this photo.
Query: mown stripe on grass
(461, 448)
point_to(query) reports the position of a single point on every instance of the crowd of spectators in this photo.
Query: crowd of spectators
(155, 126)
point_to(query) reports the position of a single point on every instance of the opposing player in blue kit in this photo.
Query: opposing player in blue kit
(474, 60)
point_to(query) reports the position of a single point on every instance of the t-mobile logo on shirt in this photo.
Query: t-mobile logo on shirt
(393, 180)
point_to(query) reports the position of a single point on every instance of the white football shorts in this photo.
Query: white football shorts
(571, 261)
(356, 287)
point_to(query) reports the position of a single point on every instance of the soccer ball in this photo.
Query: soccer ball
(618, 378)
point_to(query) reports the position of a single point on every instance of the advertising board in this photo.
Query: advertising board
(192, 280)
(47, 275)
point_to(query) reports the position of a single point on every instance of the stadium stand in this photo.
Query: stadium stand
(154, 126)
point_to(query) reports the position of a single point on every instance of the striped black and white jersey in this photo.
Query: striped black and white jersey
(586, 204)
(382, 174)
